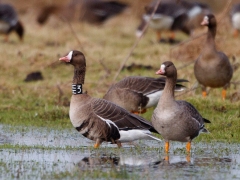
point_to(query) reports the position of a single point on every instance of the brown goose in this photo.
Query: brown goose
(212, 68)
(175, 120)
(99, 119)
(136, 93)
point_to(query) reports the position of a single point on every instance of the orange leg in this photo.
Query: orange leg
(119, 144)
(166, 151)
(6, 38)
(172, 35)
(188, 147)
(166, 158)
(188, 158)
(167, 146)
(224, 93)
(235, 33)
(204, 93)
(142, 111)
(158, 35)
(98, 143)
(135, 112)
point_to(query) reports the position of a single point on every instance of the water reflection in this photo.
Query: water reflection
(110, 160)
(36, 163)
(47, 153)
(114, 160)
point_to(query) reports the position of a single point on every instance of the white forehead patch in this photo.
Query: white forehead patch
(69, 56)
(162, 67)
(206, 18)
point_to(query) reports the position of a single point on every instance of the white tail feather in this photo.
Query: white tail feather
(154, 138)
(136, 134)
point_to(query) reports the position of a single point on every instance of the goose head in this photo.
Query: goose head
(209, 20)
(167, 69)
(76, 58)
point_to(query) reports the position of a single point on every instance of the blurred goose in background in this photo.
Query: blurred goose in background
(9, 21)
(136, 93)
(99, 119)
(98, 11)
(91, 11)
(235, 18)
(212, 68)
(169, 16)
(176, 120)
(195, 11)
(173, 15)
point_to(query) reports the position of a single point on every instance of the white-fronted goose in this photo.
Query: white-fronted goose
(169, 16)
(195, 11)
(9, 21)
(136, 93)
(173, 15)
(212, 68)
(235, 18)
(175, 120)
(99, 119)
(90, 11)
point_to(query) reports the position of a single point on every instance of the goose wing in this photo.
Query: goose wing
(193, 112)
(119, 116)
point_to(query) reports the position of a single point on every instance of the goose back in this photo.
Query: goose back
(136, 93)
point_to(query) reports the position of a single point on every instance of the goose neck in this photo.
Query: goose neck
(168, 91)
(211, 35)
(79, 75)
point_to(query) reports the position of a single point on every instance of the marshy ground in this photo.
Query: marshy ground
(37, 139)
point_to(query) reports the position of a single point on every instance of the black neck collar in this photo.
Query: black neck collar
(76, 89)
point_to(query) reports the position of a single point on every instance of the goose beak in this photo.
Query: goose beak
(205, 21)
(160, 72)
(65, 59)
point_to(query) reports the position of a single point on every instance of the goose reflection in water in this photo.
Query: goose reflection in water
(94, 161)
(108, 161)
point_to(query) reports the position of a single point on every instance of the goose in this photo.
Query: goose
(98, 11)
(176, 120)
(137, 93)
(174, 15)
(169, 17)
(9, 21)
(195, 12)
(90, 11)
(235, 18)
(212, 68)
(98, 119)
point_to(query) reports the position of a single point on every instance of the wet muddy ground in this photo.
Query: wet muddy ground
(41, 153)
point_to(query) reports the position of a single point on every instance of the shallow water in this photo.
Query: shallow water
(42, 153)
